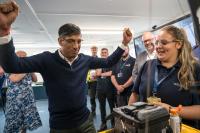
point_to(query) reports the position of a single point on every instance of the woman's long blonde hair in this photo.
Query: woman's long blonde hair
(187, 60)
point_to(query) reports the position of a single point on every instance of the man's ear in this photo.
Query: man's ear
(60, 41)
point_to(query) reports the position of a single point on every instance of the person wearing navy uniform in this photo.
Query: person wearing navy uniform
(122, 78)
(171, 76)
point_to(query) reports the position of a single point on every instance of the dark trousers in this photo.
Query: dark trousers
(122, 100)
(92, 93)
(86, 127)
(102, 96)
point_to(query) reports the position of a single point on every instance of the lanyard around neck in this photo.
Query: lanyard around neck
(156, 82)
(123, 64)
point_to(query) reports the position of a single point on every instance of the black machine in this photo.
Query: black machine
(140, 118)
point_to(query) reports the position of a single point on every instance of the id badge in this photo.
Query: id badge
(119, 75)
(153, 100)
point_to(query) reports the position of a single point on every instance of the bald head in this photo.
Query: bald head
(21, 53)
(148, 40)
(147, 35)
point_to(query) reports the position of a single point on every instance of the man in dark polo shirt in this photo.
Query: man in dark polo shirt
(104, 90)
(122, 78)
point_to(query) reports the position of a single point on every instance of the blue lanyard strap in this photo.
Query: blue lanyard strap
(123, 64)
(157, 83)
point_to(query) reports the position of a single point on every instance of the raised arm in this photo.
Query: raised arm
(8, 13)
(8, 59)
(115, 56)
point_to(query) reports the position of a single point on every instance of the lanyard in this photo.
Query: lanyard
(156, 82)
(122, 65)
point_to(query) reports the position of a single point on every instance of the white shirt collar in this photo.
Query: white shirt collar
(64, 58)
(151, 55)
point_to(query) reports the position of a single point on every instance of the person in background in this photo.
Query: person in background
(122, 78)
(2, 77)
(171, 75)
(64, 72)
(148, 40)
(92, 83)
(104, 90)
(21, 113)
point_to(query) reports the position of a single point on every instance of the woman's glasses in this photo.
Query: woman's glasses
(164, 42)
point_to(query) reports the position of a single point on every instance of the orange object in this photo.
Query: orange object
(174, 111)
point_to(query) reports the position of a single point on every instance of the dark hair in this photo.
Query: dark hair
(69, 29)
(104, 49)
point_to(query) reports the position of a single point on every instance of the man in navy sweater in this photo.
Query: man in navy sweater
(64, 72)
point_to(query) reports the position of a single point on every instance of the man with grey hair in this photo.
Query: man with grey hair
(148, 39)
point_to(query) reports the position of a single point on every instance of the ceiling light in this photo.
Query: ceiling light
(102, 32)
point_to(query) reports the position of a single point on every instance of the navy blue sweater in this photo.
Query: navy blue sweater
(64, 83)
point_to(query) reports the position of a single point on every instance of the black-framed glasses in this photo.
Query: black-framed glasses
(73, 41)
(164, 42)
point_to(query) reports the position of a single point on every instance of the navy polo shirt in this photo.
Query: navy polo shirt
(104, 84)
(169, 90)
(125, 67)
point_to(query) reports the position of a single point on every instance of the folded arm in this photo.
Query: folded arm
(16, 77)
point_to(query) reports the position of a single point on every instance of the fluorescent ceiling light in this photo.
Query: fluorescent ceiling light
(91, 44)
(102, 32)
(35, 46)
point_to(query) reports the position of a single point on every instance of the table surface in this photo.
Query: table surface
(188, 129)
(184, 129)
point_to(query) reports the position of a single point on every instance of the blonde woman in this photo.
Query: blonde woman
(170, 76)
